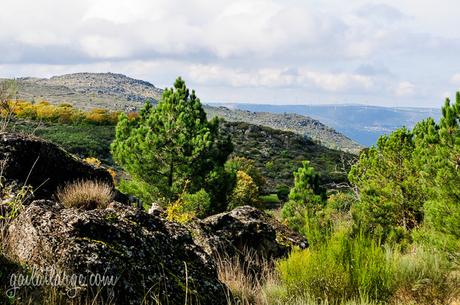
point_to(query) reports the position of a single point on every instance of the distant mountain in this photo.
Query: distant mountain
(119, 92)
(363, 124)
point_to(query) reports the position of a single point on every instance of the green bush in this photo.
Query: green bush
(341, 201)
(188, 206)
(446, 243)
(198, 203)
(340, 269)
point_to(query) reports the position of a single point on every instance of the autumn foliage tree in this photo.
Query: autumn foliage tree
(245, 191)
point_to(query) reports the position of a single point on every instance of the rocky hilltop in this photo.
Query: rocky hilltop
(89, 90)
(119, 92)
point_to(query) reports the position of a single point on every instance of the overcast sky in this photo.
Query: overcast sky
(393, 52)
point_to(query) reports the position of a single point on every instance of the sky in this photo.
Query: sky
(390, 53)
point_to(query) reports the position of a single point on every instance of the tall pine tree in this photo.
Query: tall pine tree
(171, 147)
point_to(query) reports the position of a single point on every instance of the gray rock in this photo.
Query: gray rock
(150, 256)
(246, 229)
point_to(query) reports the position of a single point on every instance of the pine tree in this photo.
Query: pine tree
(390, 195)
(170, 147)
(306, 196)
(439, 156)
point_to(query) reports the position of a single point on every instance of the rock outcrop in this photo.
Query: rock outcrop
(43, 165)
(149, 256)
(246, 229)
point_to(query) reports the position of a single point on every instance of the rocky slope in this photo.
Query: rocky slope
(362, 123)
(116, 91)
(89, 90)
(139, 251)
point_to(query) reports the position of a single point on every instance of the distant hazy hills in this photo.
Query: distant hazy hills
(117, 91)
(363, 124)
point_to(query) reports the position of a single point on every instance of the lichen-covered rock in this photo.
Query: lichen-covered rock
(245, 229)
(150, 256)
(43, 165)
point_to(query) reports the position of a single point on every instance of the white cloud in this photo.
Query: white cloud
(338, 82)
(276, 78)
(405, 88)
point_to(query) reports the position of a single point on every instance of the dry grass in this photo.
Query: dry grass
(245, 276)
(86, 195)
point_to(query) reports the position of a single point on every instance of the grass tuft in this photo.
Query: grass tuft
(86, 195)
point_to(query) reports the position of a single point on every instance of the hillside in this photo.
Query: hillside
(277, 153)
(302, 125)
(119, 92)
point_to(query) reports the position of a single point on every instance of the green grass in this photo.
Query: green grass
(270, 202)
(270, 199)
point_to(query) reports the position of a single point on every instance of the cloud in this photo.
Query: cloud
(372, 70)
(405, 88)
(266, 29)
(381, 12)
(345, 50)
(276, 78)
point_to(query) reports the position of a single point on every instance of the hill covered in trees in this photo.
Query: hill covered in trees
(276, 153)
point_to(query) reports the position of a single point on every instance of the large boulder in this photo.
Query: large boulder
(246, 230)
(149, 256)
(43, 165)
